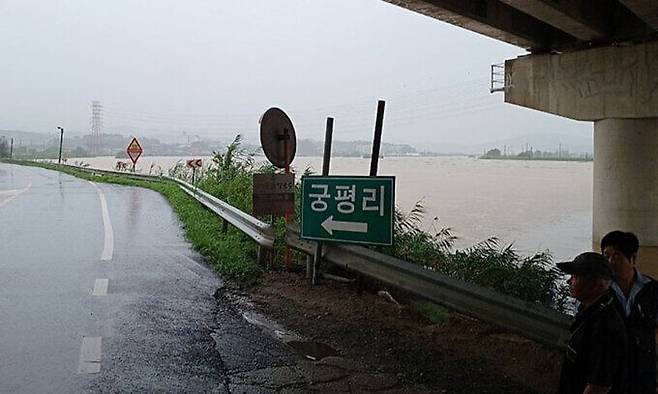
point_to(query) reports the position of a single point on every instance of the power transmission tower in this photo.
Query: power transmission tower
(96, 126)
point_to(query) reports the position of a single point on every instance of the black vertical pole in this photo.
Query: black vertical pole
(326, 158)
(377, 140)
(374, 158)
(286, 152)
(328, 135)
(11, 148)
(61, 137)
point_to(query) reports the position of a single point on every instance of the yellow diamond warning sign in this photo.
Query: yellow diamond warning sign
(134, 150)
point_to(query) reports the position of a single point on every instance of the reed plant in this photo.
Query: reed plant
(489, 264)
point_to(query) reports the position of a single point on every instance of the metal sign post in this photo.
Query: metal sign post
(279, 143)
(61, 139)
(326, 159)
(286, 147)
(194, 164)
(377, 139)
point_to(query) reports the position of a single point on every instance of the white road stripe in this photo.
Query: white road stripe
(9, 192)
(90, 355)
(13, 194)
(100, 287)
(108, 248)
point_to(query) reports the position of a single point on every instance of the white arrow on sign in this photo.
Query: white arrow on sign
(332, 225)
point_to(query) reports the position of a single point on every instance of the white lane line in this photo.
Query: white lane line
(100, 287)
(9, 192)
(108, 248)
(90, 355)
(13, 194)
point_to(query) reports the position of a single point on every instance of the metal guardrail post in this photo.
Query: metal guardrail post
(261, 259)
(309, 266)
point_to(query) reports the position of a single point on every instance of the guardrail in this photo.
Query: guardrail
(131, 175)
(530, 320)
(257, 230)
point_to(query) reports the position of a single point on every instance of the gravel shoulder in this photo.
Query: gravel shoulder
(458, 355)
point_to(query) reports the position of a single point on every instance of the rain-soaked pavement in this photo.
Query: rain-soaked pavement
(100, 292)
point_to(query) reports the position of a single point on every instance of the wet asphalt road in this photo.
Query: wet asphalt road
(110, 304)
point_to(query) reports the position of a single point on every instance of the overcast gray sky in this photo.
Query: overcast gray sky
(213, 67)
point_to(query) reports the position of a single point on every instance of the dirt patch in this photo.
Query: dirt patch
(457, 355)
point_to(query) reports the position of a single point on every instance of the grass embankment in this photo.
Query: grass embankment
(233, 255)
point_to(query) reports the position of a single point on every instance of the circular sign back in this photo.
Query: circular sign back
(276, 131)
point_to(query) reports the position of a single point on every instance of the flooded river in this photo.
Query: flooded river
(536, 205)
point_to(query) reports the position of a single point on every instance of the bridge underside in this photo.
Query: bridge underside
(548, 25)
(590, 60)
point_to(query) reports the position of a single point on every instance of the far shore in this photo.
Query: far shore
(579, 159)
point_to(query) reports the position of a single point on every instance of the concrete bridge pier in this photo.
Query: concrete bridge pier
(626, 183)
(617, 89)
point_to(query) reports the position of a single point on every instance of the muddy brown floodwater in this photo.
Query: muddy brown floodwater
(536, 205)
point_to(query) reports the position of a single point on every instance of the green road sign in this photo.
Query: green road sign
(353, 209)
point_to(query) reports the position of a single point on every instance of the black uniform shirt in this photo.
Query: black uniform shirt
(597, 349)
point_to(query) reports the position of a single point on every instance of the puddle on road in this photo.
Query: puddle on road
(270, 326)
(314, 351)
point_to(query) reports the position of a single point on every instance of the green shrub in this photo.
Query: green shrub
(487, 264)
(431, 311)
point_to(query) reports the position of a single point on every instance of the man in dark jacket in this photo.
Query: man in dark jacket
(595, 360)
(638, 298)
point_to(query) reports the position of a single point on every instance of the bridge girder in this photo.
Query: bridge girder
(547, 25)
(647, 10)
(570, 17)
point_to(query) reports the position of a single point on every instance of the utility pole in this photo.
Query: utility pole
(11, 148)
(61, 138)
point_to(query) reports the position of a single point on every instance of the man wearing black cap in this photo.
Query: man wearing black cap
(638, 299)
(595, 360)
